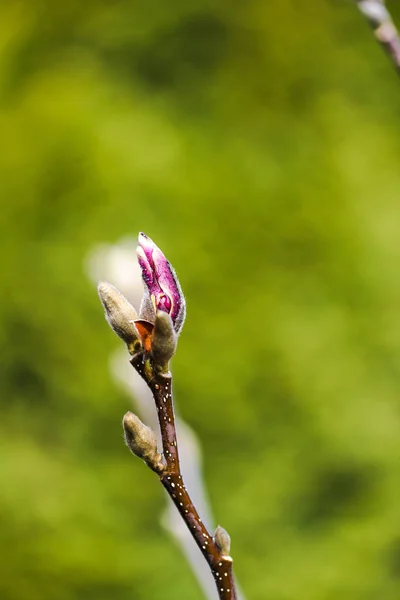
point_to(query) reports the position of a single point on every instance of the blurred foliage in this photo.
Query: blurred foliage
(257, 143)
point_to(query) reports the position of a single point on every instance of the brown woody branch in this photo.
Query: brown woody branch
(384, 29)
(215, 549)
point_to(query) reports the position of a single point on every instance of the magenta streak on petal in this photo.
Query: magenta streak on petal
(147, 271)
(167, 281)
(149, 278)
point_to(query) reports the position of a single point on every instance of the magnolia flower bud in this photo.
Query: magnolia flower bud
(141, 441)
(120, 314)
(161, 284)
(222, 540)
(164, 339)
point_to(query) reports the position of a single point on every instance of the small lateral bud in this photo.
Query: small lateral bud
(142, 442)
(164, 339)
(120, 315)
(222, 540)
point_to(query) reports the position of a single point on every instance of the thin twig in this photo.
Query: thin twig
(112, 262)
(384, 29)
(171, 478)
(151, 339)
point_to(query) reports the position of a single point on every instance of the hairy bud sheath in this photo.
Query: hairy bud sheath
(141, 441)
(164, 339)
(120, 314)
(223, 540)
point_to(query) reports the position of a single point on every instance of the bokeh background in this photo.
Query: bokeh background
(258, 144)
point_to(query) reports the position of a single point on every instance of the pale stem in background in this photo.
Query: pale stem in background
(384, 29)
(117, 263)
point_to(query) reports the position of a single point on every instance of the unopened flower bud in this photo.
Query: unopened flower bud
(164, 339)
(120, 315)
(161, 284)
(141, 441)
(222, 540)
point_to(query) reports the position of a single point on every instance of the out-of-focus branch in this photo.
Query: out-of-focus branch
(384, 29)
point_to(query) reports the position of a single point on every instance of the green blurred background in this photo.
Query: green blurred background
(258, 144)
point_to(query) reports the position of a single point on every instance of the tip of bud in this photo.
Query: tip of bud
(222, 540)
(145, 242)
(104, 289)
(141, 441)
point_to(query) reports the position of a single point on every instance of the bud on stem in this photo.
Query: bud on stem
(120, 315)
(142, 442)
(162, 288)
(164, 340)
(222, 540)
